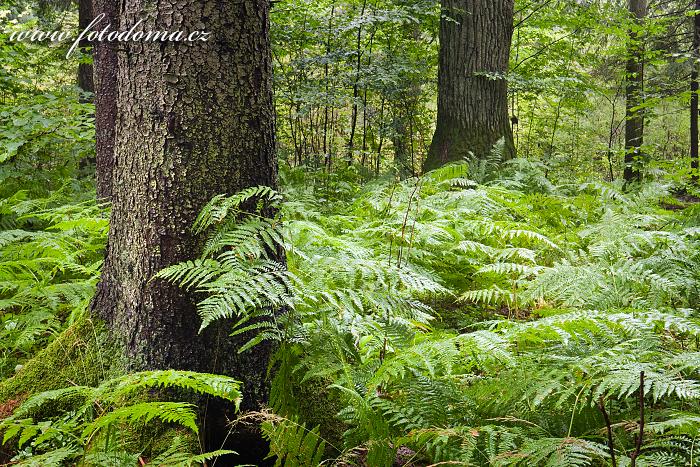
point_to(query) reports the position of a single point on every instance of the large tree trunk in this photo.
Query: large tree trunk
(634, 126)
(85, 73)
(694, 158)
(105, 72)
(475, 38)
(195, 120)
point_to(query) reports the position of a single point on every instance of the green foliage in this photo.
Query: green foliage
(52, 232)
(101, 409)
(49, 266)
(291, 443)
(578, 290)
(238, 272)
(32, 135)
(480, 314)
(356, 67)
(46, 133)
(78, 355)
(177, 455)
(595, 289)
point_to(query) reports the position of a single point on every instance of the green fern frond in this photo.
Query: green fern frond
(222, 206)
(291, 443)
(169, 412)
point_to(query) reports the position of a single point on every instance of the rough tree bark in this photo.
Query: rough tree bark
(85, 73)
(194, 120)
(105, 73)
(475, 38)
(634, 126)
(694, 85)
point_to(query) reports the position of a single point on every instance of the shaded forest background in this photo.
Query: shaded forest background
(358, 81)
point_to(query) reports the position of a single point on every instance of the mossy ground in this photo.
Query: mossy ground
(79, 356)
(83, 355)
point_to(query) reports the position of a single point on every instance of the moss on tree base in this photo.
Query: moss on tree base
(84, 355)
(79, 356)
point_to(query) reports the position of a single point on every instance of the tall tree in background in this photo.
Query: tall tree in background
(85, 72)
(402, 136)
(356, 84)
(634, 127)
(105, 72)
(694, 157)
(475, 40)
(404, 108)
(194, 120)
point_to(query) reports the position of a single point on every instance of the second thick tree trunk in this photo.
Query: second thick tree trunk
(694, 86)
(634, 127)
(194, 120)
(85, 74)
(105, 72)
(475, 39)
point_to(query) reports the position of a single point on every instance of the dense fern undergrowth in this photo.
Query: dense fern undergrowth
(452, 318)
